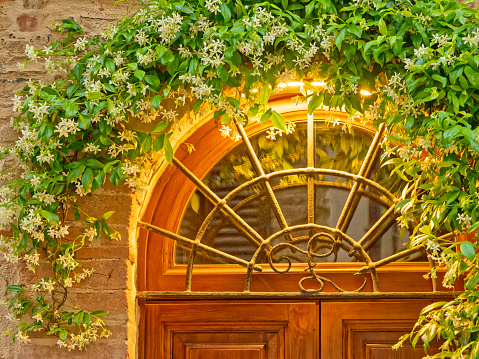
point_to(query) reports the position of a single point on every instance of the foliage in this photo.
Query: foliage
(418, 59)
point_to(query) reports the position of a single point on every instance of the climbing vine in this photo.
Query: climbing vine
(417, 61)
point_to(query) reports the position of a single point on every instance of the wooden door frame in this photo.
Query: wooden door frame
(158, 272)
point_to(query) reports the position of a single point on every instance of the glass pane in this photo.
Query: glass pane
(334, 149)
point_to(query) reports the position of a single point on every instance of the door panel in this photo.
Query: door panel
(368, 330)
(232, 330)
(218, 351)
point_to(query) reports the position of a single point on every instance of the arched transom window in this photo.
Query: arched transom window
(301, 199)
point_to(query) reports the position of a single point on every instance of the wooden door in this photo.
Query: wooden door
(368, 330)
(232, 330)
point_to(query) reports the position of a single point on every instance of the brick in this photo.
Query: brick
(28, 22)
(122, 229)
(102, 348)
(97, 205)
(109, 274)
(107, 252)
(113, 301)
(118, 331)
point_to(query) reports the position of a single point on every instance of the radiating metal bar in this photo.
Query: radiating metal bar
(311, 155)
(391, 259)
(308, 171)
(378, 235)
(326, 184)
(381, 226)
(260, 172)
(366, 168)
(374, 229)
(237, 221)
(227, 257)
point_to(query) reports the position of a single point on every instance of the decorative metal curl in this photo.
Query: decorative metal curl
(330, 245)
(326, 240)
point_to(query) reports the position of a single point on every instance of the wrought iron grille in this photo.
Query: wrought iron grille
(322, 241)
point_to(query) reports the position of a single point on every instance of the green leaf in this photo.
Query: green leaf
(71, 110)
(87, 178)
(97, 313)
(194, 62)
(63, 334)
(265, 116)
(195, 202)
(77, 214)
(225, 11)
(468, 250)
(263, 96)
(314, 103)
(71, 90)
(168, 149)
(236, 58)
(349, 50)
(110, 65)
(278, 120)
(382, 27)
(111, 105)
(172, 66)
(110, 88)
(167, 57)
(236, 103)
(160, 50)
(139, 74)
(441, 79)
(159, 142)
(153, 81)
(86, 318)
(146, 144)
(156, 101)
(75, 172)
(341, 36)
(15, 288)
(222, 73)
(51, 217)
(94, 95)
(472, 75)
(472, 282)
(108, 215)
(160, 126)
(78, 317)
(93, 163)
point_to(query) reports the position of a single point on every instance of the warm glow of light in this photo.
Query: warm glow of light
(294, 84)
(318, 84)
(299, 84)
(254, 90)
(365, 93)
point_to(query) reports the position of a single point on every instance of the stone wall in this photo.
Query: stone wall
(111, 287)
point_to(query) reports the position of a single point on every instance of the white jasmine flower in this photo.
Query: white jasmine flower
(80, 44)
(30, 53)
(422, 51)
